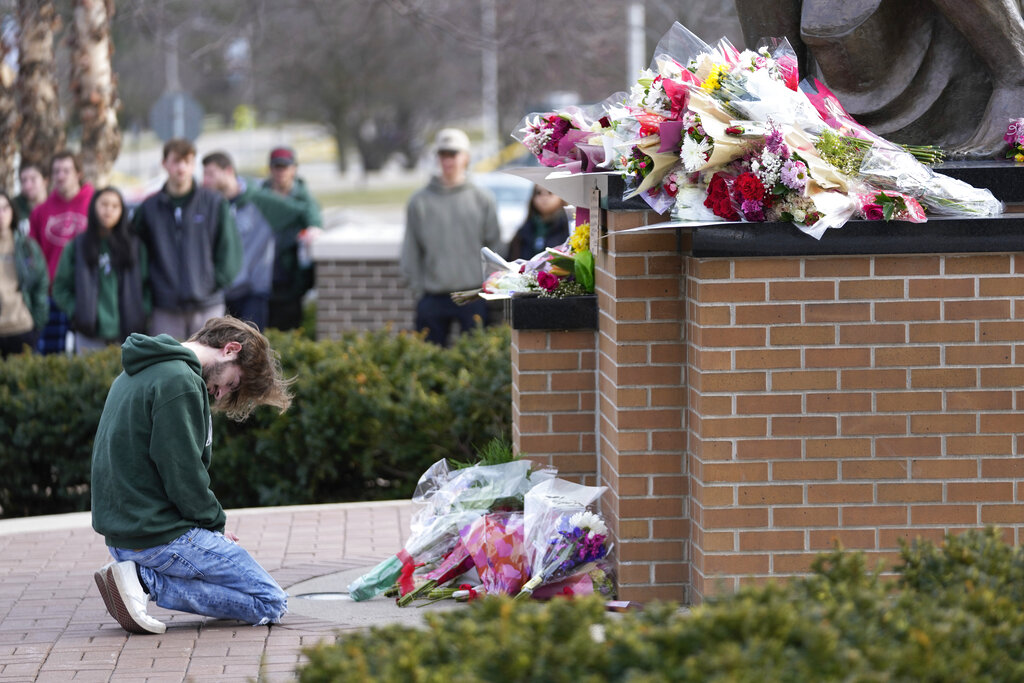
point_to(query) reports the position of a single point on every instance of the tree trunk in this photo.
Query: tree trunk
(8, 122)
(42, 128)
(94, 88)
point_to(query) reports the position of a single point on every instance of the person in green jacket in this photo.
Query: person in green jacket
(294, 270)
(101, 278)
(24, 281)
(151, 495)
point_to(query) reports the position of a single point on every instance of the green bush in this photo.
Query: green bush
(371, 412)
(952, 614)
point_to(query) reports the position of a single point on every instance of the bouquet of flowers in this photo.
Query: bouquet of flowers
(562, 537)
(495, 542)
(566, 270)
(451, 500)
(456, 563)
(712, 133)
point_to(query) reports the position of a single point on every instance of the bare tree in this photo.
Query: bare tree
(8, 120)
(94, 87)
(42, 128)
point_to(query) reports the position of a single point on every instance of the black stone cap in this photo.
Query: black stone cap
(548, 313)
(939, 234)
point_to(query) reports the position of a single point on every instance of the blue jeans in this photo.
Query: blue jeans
(437, 312)
(203, 572)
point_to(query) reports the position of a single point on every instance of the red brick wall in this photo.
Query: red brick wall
(751, 412)
(641, 406)
(863, 400)
(553, 398)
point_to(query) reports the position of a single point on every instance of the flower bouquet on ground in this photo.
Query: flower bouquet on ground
(451, 500)
(495, 542)
(596, 580)
(456, 563)
(562, 537)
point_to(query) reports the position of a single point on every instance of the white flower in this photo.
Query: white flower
(588, 520)
(694, 153)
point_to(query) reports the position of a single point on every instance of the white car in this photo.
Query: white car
(512, 195)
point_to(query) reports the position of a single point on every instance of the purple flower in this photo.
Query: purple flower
(773, 142)
(752, 210)
(794, 175)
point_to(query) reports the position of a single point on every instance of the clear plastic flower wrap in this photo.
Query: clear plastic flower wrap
(569, 137)
(495, 542)
(562, 536)
(451, 499)
(889, 167)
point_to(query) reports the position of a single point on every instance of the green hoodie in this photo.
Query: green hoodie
(151, 454)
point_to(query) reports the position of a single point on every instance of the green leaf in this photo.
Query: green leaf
(585, 270)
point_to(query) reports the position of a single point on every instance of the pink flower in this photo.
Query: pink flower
(547, 281)
(873, 212)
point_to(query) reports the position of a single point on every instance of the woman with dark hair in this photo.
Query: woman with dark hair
(24, 306)
(546, 225)
(100, 281)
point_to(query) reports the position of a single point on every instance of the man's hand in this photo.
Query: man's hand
(230, 536)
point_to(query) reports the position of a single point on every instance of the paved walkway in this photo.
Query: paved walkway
(53, 626)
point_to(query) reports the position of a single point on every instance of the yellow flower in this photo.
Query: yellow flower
(714, 79)
(580, 240)
(1018, 157)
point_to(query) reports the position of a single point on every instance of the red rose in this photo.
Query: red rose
(873, 212)
(718, 199)
(547, 281)
(750, 187)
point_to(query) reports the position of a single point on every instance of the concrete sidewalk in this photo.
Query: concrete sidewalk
(53, 626)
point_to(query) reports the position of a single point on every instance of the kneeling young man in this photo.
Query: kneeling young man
(151, 497)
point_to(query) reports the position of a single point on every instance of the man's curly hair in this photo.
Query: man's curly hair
(262, 381)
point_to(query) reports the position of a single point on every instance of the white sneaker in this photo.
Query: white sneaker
(128, 600)
(101, 583)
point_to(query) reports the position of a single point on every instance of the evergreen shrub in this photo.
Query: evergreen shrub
(371, 412)
(952, 613)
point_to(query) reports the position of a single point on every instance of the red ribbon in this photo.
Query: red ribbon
(472, 592)
(405, 580)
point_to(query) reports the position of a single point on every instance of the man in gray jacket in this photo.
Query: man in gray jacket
(447, 223)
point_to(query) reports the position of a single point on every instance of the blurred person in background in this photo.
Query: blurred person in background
(33, 179)
(193, 246)
(101, 279)
(24, 307)
(546, 225)
(263, 218)
(53, 224)
(294, 272)
(447, 223)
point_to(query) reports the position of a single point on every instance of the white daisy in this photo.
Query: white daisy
(694, 154)
(588, 520)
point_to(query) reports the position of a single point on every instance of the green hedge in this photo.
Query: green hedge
(371, 412)
(953, 614)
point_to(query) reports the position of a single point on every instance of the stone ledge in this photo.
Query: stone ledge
(545, 313)
(1001, 234)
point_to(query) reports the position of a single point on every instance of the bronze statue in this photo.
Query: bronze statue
(943, 72)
